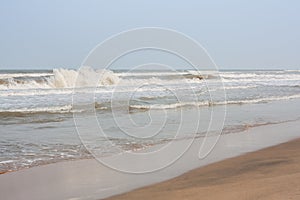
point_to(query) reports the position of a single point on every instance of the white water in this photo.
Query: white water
(60, 78)
(36, 108)
(209, 103)
(52, 92)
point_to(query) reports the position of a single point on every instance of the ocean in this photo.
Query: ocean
(43, 119)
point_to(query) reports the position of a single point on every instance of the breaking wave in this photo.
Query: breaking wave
(60, 78)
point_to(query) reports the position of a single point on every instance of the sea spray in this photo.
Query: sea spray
(60, 78)
(85, 77)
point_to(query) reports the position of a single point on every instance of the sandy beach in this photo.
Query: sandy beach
(141, 100)
(271, 173)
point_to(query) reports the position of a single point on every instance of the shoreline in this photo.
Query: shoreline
(245, 128)
(270, 173)
(88, 179)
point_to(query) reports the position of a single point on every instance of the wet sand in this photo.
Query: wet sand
(271, 173)
(251, 176)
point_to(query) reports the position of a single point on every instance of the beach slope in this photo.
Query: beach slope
(271, 173)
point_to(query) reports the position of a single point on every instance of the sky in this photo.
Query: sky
(238, 34)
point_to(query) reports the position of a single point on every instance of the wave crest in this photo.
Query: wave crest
(60, 78)
(85, 77)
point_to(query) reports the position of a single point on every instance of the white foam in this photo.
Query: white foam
(151, 74)
(209, 103)
(239, 87)
(170, 106)
(32, 92)
(52, 109)
(292, 70)
(7, 161)
(259, 77)
(18, 75)
(86, 76)
(259, 100)
(61, 78)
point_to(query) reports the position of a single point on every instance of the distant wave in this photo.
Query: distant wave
(60, 78)
(68, 78)
(292, 70)
(18, 75)
(231, 76)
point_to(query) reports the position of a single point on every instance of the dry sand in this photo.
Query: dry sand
(271, 173)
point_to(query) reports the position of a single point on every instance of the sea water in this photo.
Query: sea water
(135, 109)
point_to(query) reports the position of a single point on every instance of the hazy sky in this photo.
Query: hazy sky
(237, 34)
